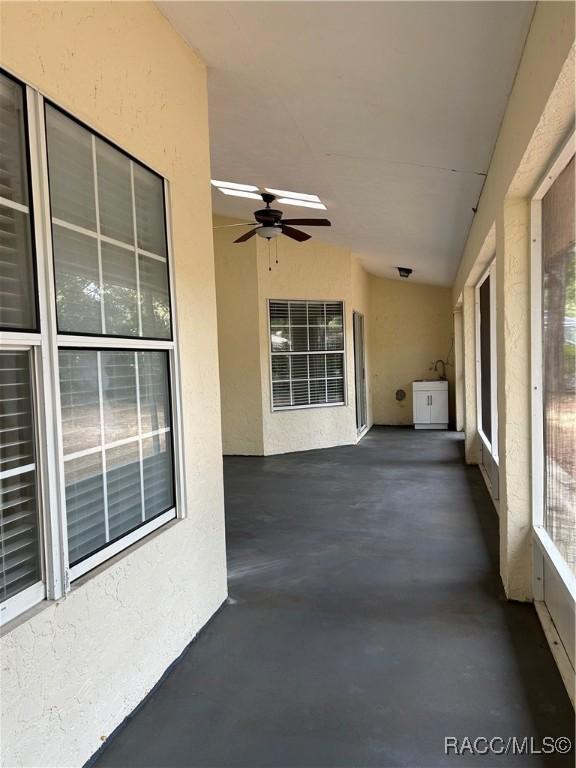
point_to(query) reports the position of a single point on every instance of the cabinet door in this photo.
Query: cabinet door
(421, 407)
(439, 407)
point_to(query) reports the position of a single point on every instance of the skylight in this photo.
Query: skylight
(284, 196)
(302, 203)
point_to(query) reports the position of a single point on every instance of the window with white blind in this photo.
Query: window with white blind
(307, 353)
(89, 396)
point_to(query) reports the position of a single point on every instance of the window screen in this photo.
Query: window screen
(109, 236)
(117, 443)
(485, 359)
(307, 351)
(19, 534)
(559, 362)
(17, 290)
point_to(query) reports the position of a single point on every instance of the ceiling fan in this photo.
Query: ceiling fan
(269, 223)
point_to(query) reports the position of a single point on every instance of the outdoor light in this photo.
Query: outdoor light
(404, 271)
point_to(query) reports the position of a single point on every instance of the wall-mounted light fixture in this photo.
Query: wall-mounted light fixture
(404, 271)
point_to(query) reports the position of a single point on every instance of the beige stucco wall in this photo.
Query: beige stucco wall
(310, 270)
(538, 118)
(73, 671)
(238, 340)
(410, 327)
(247, 277)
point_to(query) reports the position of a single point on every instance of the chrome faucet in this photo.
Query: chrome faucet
(443, 375)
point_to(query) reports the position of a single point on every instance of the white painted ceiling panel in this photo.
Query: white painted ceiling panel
(388, 111)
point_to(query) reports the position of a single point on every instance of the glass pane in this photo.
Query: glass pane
(79, 400)
(299, 366)
(316, 315)
(149, 194)
(299, 338)
(154, 391)
(485, 374)
(124, 489)
(85, 512)
(114, 193)
(300, 393)
(119, 394)
(318, 391)
(17, 300)
(154, 298)
(71, 170)
(157, 470)
(120, 293)
(317, 366)
(77, 282)
(16, 419)
(280, 367)
(279, 315)
(335, 390)
(334, 365)
(334, 338)
(100, 511)
(298, 313)
(280, 339)
(19, 541)
(317, 338)
(281, 394)
(19, 526)
(13, 155)
(559, 363)
(334, 314)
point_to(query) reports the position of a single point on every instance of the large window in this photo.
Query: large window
(88, 368)
(307, 353)
(486, 382)
(553, 239)
(559, 362)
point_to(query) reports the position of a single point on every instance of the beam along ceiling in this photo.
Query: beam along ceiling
(388, 111)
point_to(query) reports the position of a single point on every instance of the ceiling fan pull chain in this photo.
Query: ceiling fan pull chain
(269, 247)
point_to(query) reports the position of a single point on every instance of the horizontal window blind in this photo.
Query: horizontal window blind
(19, 534)
(109, 236)
(117, 443)
(307, 351)
(17, 298)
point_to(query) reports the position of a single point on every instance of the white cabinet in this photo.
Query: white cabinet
(430, 404)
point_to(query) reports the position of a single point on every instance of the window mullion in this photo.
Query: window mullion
(49, 421)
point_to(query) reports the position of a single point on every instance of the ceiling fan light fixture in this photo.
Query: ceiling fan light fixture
(240, 193)
(302, 203)
(268, 232)
(294, 195)
(222, 185)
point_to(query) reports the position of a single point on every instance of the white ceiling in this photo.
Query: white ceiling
(387, 110)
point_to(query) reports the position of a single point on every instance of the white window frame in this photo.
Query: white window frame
(490, 445)
(343, 352)
(44, 346)
(545, 551)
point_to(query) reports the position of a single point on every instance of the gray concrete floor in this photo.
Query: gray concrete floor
(366, 622)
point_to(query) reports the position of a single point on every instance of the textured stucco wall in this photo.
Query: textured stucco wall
(361, 303)
(310, 270)
(547, 47)
(76, 668)
(238, 340)
(410, 328)
(538, 117)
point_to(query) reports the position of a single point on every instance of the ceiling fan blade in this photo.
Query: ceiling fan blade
(243, 224)
(246, 235)
(295, 234)
(308, 222)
